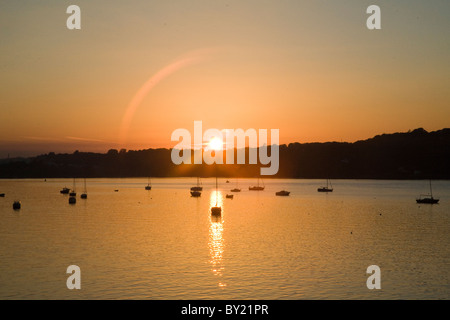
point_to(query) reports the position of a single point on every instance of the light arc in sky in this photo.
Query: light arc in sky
(188, 59)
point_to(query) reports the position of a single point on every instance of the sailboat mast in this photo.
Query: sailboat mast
(431, 190)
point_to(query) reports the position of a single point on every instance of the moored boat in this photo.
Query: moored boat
(283, 193)
(327, 188)
(64, 190)
(84, 194)
(197, 187)
(216, 210)
(17, 205)
(427, 199)
(196, 194)
(257, 187)
(148, 186)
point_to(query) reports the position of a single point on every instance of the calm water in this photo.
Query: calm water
(163, 244)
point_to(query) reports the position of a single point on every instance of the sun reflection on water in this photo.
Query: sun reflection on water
(216, 241)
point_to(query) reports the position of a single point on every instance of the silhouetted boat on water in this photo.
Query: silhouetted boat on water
(72, 200)
(427, 199)
(257, 187)
(229, 196)
(73, 193)
(197, 187)
(84, 194)
(326, 189)
(236, 189)
(216, 211)
(17, 205)
(2, 195)
(282, 193)
(148, 186)
(64, 190)
(196, 194)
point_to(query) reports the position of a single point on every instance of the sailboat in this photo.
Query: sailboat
(84, 194)
(73, 192)
(257, 187)
(236, 189)
(197, 190)
(427, 198)
(326, 189)
(148, 186)
(197, 187)
(216, 211)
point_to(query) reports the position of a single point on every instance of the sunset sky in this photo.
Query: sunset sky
(137, 70)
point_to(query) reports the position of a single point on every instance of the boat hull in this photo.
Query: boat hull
(256, 188)
(324, 190)
(216, 211)
(196, 194)
(427, 201)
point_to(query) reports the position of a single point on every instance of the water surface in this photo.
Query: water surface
(163, 244)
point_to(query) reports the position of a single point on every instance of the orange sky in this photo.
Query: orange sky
(308, 68)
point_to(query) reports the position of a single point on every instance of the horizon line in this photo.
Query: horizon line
(420, 129)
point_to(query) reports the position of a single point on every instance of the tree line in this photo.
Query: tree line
(416, 154)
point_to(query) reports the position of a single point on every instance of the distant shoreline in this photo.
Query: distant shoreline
(414, 155)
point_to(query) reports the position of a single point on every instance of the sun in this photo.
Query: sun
(215, 144)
